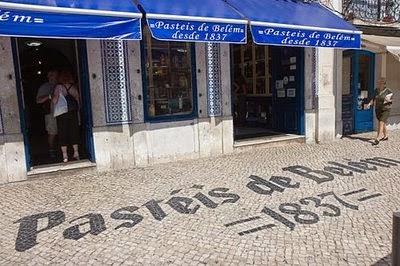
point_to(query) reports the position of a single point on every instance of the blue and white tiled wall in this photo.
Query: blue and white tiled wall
(214, 88)
(117, 91)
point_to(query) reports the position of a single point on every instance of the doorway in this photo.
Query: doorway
(34, 60)
(358, 87)
(267, 90)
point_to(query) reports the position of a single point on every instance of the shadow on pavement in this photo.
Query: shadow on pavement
(384, 261)
(369, 140)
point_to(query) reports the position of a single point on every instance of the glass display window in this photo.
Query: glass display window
(169, 70)
(252, 62)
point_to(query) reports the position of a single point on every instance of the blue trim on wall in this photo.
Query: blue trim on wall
(22, 117)
(87, 103)
(301, 103)
(172, 118)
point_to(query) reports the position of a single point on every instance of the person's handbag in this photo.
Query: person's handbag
(46, 107)
(61, 107)
(72, 103)
(388, 98)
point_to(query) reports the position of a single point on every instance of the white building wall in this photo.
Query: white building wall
(140, 143)
(12, 152)
(393, 82)
(326, 114)
(310, 86)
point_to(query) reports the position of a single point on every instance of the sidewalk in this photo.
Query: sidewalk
(299, 204)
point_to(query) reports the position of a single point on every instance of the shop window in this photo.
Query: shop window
(169, 87)
(252, 62)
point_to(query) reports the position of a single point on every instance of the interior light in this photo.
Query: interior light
(33, 43)
(39, 72)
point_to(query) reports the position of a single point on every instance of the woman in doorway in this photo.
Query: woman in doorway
(382, 101)
(67, 123)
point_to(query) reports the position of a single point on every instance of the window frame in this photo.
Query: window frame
(145, 89)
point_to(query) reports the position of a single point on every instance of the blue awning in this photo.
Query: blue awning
(194, 21)
(88, 19)
(297, 23)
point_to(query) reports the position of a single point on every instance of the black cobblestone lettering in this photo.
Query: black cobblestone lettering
(318, 176)
(337, 171)
(262, 186)
(206, 201)
(96, 222)
(28, 228)
(221, 193)
(155, 209)
(284, 181)
(126, 213)
(181, 205)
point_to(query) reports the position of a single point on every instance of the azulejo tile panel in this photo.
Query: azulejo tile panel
(117, 91)
(314, 78)
(214, 90)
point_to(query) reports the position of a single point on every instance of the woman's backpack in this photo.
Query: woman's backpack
(71, 101)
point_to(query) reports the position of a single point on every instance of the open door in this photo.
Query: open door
(362, 88)
(37, 63)
(288, 89)
(87, 121)
(21, 102)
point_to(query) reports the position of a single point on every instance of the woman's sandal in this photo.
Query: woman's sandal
(384, 138)
(376, 142)
(76, 156)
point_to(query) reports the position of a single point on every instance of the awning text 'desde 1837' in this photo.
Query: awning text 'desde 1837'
(194, 21)
(88, 19)
(297, 23)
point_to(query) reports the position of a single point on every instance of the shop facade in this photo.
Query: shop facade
(155, 100)
(360, 69)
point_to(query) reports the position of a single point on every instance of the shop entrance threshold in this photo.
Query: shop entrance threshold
(275, 140)
(60, 167)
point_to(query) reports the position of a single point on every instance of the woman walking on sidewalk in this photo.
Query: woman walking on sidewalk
(382, 101)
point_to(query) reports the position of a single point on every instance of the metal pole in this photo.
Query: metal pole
(396, 239)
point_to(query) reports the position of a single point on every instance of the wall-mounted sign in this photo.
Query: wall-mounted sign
(194, 31)
(285, 80)
(41, 24)
(304, 38)
(281, 93)
(291, 93)
(279, 84)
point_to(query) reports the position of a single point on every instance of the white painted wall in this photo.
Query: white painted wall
(12, 152)
(309, 110)
(393, 82)
(326, 114)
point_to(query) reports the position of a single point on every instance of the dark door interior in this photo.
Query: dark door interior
(287, 89)
(36, 58)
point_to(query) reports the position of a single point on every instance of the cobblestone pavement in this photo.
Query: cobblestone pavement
(269, 206)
